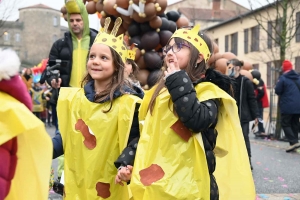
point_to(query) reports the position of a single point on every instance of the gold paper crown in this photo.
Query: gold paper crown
(192, 37)
(131, 52)
(111, 40)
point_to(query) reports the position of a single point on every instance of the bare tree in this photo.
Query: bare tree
(7, 10)
(278, 19)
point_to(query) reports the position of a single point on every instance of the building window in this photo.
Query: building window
(54, 38)
(269, 34)
(226, 43)
(6, 36)
(278, 31)
(255, 38)
(246, 43)
(298, 27)
(297, 64)
(17, 37)
(234, 43)
(256, 66)
(55, 21)
(269, 74)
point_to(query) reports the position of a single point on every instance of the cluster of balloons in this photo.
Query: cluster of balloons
(219, 62)
(145, 24)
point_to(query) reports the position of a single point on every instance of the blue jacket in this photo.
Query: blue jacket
(289, 93)
(90, 94)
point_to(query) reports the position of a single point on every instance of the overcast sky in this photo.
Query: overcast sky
(94, 22)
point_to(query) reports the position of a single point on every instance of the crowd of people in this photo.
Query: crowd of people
(187, 137)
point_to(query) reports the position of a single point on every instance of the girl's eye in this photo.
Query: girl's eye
(92, 56)
(104, 57)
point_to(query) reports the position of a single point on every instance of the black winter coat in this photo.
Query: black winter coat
(62, 49)
(245, 99)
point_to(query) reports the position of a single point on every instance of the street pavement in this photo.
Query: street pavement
(276, 173)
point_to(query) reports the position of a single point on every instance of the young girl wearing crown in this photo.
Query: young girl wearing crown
(98, 121)
(191, 145)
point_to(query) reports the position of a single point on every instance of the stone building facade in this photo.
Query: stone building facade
(33, 34)
(207, 12)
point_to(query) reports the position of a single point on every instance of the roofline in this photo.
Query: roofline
(180, 1)
(47, 7)
(239, 5)
(242, 15)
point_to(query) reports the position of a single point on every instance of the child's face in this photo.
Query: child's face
(182, 53)
(128, 69)
(100, 64)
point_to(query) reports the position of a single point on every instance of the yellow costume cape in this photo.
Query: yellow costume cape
(92, 141)
(31, 179)
(184, 163)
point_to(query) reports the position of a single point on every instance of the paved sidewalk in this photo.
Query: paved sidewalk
(278, 196)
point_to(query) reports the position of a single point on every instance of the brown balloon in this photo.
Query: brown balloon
(182, 21)
(221, 65)
(247, 74)
(63, 10)
(141, 62)
(150, 9)
(109, 7)
(229, 55)
(142, 76)
(91, 7)
(121, 30)
(155, 22)
(163, 5)
(137, 54)
(214, 57)
(126, 19)
(122, 4)
(247, 66)
(99, 6)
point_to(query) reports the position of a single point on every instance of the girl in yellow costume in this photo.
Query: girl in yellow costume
(191, 145)
(98, 121)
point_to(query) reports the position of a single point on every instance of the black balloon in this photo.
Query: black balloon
(153, 60)
(134, 29)
(164, 24)
(137, 41)
(256, 74)
(163, 15)
(164, 37)
(145, 27)
(172, 26)
(150, 40)
(173, 15)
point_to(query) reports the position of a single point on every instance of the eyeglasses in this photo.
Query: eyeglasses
(176, 47)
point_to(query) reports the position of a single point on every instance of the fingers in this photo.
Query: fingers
(55, 84)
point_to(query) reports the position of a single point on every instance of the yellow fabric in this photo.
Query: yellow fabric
(37, 101)
(159, 144)
(184, 163)
(31, 180)
(84, 168)
(78, 65)
(233, 173)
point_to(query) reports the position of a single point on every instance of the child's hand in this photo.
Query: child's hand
(172, 65)
(124, 174)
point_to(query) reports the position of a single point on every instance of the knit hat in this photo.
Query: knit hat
(10, 80)
(286, 65)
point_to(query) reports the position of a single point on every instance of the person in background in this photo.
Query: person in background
(245, 100)
(37, 96)
(27, 78)
(288, 90)
(262, 100)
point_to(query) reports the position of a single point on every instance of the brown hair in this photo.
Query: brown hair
(117, 80)
(194, 70)
(135, 69)
(236, 62)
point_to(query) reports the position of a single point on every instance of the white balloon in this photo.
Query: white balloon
(122, 11)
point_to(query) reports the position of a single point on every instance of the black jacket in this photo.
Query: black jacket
(245, 99)
(62, 49)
